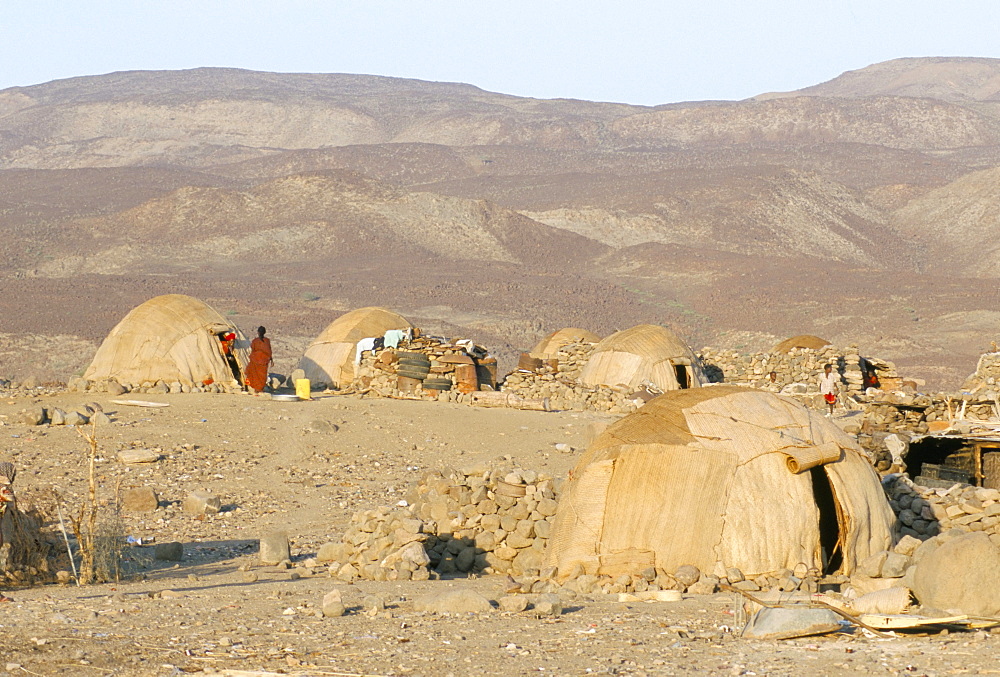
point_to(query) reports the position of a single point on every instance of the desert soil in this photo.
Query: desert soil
(208, 615)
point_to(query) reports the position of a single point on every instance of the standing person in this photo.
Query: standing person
(828, 386)
(260, 360)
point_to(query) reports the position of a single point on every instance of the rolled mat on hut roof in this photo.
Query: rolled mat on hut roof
(802, 341)
(550, 345)
(643, 354)
(330, 357)
(168, 338)
(717, 477)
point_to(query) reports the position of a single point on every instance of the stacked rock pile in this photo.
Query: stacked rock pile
(87, 413)
(493, 520)
(919, 510)
(924, 512)
(29, 387)
(427, 367)
(986, 379)
(113, 387)
(800, 365)
(556, 378)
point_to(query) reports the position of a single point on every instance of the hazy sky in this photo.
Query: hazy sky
(643, 51)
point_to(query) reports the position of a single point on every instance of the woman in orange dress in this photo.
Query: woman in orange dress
(260, 360)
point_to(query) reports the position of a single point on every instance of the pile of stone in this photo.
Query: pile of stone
(29, 387)
(565, 393)
(427, 367)
(114, 388)
(799, 365)
(919, 510)
(557, 379)
(87, 413)
(986, 379)
(494, 520)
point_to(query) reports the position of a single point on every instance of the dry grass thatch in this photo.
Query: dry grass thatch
(644, 354)
(330, 357)
(168, 338)
(702, 477)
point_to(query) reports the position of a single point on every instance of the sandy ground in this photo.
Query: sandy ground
(218, 610)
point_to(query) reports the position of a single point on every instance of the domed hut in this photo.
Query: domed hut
(550, 345)
(721, 476)
(643, 354)
(802, 341)
(172, 338)
(330, 357)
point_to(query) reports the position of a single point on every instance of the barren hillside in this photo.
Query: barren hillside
(861, 209)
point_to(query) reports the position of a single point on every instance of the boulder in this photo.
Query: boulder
(169, 552)
(786, 623)
(460, 601)
(139, 499)
(274, 548)
(333, 604)
(202, 503)
(961, 575)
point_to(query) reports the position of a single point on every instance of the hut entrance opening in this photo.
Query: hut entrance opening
(831, 545)
(682, 372)
(227, 341)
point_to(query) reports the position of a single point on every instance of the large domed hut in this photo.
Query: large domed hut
(550, 345)
(330, 357)
(172, 338)
(720, 477)
(802, 341)
(646, 354)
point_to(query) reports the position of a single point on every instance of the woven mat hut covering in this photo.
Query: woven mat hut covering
(701, 477)
(550, 345)
(330, 358)
(803, 341)
(643, 354)
(170, 338)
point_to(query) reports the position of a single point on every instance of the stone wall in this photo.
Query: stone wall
(559, 382)
(494, 520)
(986, 378)
(800, 365)
(923, 512)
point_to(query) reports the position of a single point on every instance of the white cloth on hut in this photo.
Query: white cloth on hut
(363, 345)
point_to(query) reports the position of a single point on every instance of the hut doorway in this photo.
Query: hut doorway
(830, 539)
(682, 373)
(227, 341)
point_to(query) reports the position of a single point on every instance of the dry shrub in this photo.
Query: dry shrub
(30, 553)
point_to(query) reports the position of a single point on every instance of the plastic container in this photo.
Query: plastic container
(302, 389)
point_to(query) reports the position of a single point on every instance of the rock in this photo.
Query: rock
(169, 552)
(961, 575)
(907, 545)
(786, 623)
(115, 389)
(706, 585)
(734, 575)
(548, 604)
(57, 416)
(871, 566)
(333, 604)
(321, 427)
(63, 576)
(130, 456)
(75, 418)
(139, 499)
(460, 601)
(274, 548)
(513, 603)
(333, 552)
(687, 575)
(895, 565)
(34, 416)
(202, 502)
(412, 553)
